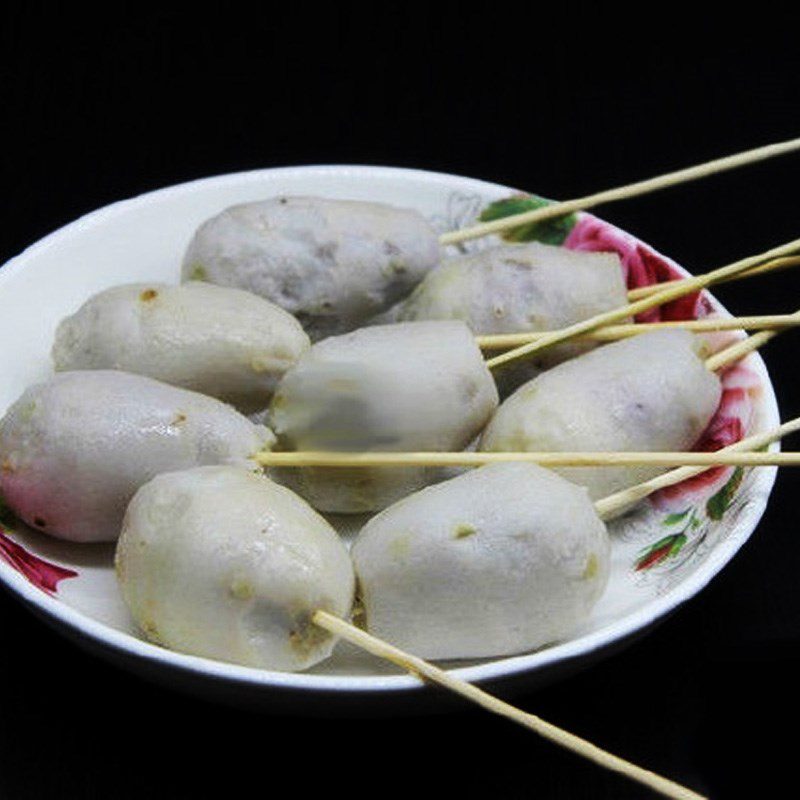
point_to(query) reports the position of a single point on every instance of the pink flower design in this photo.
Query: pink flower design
(40, 573)
(642, 265)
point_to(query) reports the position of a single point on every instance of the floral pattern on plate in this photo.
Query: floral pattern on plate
(42, 574)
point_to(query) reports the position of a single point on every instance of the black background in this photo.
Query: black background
(99, 106)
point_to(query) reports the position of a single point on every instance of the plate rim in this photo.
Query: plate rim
(126, 645)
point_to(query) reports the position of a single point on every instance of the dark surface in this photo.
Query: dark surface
(103, 108)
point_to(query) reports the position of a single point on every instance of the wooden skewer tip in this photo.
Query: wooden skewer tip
(426, 671)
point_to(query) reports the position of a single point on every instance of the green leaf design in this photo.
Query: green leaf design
(549, 231)
(665, 548)
(674, 519)
(721, 501)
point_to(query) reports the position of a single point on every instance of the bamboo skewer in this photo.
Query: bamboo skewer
(775, 265)
(426, 671)
(739, 350)
(646, 303)
(622, 192)
(611, 333)
(322, 458)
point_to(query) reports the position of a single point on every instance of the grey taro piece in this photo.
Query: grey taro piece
(333, 264)
(75, 448)
(517, 288)
(227, 343)
(223, 563)
(500, 560)
(648, 393)
(411, 386)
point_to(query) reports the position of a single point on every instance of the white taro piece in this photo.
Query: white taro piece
(75, 448)
(223, 563)
(500, 560)
(650, 392)
(332, 263)
(411, 386)
(517, 288)
(227, 343)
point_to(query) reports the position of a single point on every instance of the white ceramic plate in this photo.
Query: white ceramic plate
(662, 555)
